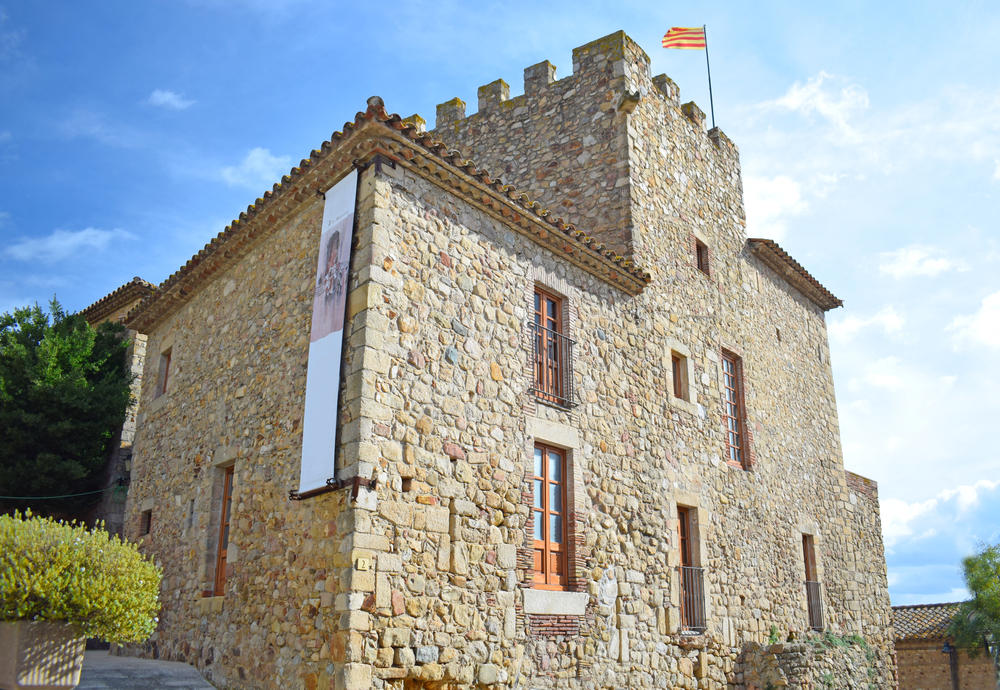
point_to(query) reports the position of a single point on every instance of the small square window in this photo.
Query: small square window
(679, 374)
(146, 523)
(701, 256)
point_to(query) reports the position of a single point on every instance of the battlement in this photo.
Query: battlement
(615, 56)
(568, 142)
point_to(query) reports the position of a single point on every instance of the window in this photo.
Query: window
(733, 412)
(679, 371)
(164, 374)
(814, 599)
(146, 522)
(701, 256)
(549, 513)
(220, 558)
(552, 350)
(692, 576)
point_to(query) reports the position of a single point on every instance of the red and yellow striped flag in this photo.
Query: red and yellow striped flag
(685, 38)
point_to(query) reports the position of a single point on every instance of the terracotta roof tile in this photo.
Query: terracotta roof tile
(791, 270)
(923, 621)
(506, 201)
(137, 288)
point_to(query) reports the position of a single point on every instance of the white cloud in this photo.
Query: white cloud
(63, 244)
(163, 98)
(917, 260)
(887, 319)
(89, 124)
(953, 594)
(257, 170)
(827, 95)
(980, 328)
(996, 170)
(921, 519)
(898, 516)
(769, 202)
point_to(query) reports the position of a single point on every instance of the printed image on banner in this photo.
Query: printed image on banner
(319, 423)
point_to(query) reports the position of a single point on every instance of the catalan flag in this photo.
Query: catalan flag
(692, 38)
(685, 38)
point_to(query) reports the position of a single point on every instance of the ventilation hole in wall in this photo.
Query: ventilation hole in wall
(407, 484)
(777, 332)
(146, 524)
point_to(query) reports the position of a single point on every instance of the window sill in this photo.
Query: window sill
(555, 602)
(547, 399)
(158, 402)
(682, 404)
(209, 604)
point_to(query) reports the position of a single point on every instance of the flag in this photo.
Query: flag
(685, 38)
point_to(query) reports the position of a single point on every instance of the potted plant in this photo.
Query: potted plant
(61, 583)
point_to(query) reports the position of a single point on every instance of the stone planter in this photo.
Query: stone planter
(40, 655)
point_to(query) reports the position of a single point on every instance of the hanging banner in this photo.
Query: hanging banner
(319, 422)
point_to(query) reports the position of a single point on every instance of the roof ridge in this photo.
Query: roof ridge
(376, 112)
(916, 606)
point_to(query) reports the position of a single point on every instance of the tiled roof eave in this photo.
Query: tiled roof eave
(375, 131)
(524, 216)
(135, 289)
(923, 621)
(778, 260)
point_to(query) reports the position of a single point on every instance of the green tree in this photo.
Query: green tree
(977, 624)
(64, 390)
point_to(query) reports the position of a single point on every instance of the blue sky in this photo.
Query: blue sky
(132, 132)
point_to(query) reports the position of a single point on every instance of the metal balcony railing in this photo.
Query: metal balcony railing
(814, 597)
(552, 354)
(692, 598)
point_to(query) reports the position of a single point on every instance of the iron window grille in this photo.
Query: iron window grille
(692, 598)
(552, 355)
(814, 598)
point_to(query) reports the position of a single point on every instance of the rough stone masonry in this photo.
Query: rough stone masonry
(681, 567)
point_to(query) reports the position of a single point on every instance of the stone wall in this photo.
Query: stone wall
(563, 142)
(819, 661)
(426, 576)
(111, 508)
(924, 666)
(235, 397)
(455, 309)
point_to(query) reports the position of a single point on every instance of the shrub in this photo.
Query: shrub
(54, 571)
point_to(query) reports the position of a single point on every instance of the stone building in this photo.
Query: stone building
(114, 307)
(926, 657)
(587, 434)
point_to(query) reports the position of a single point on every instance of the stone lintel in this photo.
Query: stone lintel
(553, 432)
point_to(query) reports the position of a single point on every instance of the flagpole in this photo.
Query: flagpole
(711, 103)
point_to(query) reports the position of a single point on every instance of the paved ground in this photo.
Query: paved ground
(102, 671)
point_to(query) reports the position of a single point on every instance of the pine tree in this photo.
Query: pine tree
(64, 390)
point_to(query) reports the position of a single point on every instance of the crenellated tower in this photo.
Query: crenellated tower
(610, 148)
